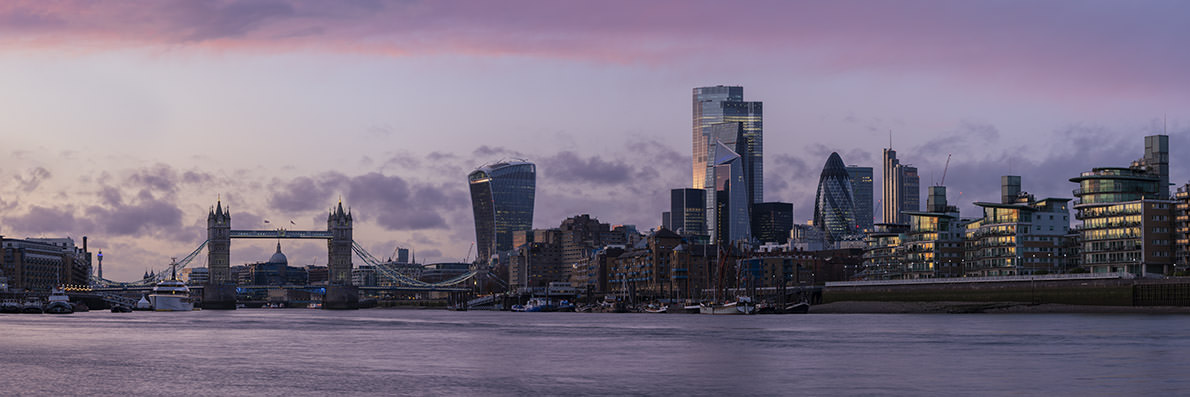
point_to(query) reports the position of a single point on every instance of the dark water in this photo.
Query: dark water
(411, 352)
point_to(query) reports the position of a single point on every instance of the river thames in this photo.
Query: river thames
(434, 352)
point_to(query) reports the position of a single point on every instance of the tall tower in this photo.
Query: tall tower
(901, 189)
(725, 104)
(1157, 156)
(861, 190)
(834, 211)
(338, 248)
(219, 244)
(502, 197)
(732, 218)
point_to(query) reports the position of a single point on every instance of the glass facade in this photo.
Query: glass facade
(861, 190)
(834, 212)
(687, 209)
(732, 220)
(772, 222)
(502, 198)
(721, 114)
(708, 109)
(901, 189)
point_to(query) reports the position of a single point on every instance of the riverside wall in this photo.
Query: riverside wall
(1100, 292)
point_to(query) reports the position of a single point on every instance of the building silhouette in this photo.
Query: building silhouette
(772, 222)
(861, 195)
(502, 199)
(834, 211)
(901, 188)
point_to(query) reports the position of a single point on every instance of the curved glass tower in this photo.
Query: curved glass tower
(502, 198)
(834, 211)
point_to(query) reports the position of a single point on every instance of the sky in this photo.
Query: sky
(127, 121)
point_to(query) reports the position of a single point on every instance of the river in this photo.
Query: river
(287, 352)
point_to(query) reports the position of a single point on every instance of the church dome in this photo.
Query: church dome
(278, 257)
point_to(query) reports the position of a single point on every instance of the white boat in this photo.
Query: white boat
(742, 305)
(10, 306)
(59, 303)
(171, 295)
(143, 304)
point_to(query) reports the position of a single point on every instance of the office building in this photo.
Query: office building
(538, 260)
(725, 104)
(502, 199)
(39, 264)
(731, 210)
(1019, 235)
(861, 196)
(772, 222)
(688, 212)
(901, 189)
(833, 209)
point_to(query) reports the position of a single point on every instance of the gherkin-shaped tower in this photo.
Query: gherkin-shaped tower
(834, 210)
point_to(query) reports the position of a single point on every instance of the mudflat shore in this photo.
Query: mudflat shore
(865, 307)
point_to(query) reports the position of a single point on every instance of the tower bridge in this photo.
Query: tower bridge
(220, 292)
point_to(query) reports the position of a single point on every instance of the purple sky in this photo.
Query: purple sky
(124, 121)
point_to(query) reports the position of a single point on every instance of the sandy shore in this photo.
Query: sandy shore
(855, 307)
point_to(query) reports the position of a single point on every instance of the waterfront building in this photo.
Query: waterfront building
(732, 220)
(645, 268)
(1127, 222)
(772, 222)
(317, 275)
(39, 264)
(502, 198)
(1019, 235)
(692, 269)
(882, 252)
(688, 212)
(833, 209)
(581, 236)
(933, 244)
(590, 275)
(439, 272)
(901, 189)
(538, 260)
(1182, 227)
(807, 237)
(861, 196)
(364, 276)
(771, 269)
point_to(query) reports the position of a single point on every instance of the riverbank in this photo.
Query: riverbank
(867, 307)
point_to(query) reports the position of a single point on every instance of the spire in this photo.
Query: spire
(278, 246)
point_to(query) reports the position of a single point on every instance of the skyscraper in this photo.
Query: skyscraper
(834, 212)
(901, 188)
(725, 104)
(502, 198)
(772, 222)
(688, 212)
(732, 219)
(861, 190)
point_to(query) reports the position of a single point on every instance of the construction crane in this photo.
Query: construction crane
(943, 183)
(468, 252)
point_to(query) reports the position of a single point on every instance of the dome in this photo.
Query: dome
(278, 257)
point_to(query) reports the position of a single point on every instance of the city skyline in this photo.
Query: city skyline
(128, 132)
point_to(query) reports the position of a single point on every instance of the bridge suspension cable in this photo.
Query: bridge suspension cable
(156, 277)
(383, 269)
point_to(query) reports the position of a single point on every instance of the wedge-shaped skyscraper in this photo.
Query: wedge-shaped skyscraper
(732, 220)
(502, 198)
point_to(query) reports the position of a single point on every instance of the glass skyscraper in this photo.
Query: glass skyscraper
(502, 198)
(721, 114)
(688, 212)
(732, 218)
(861, 190)
(834, 211)
(901, 188)
(772, 222)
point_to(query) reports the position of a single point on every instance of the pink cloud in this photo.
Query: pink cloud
(1076, 48)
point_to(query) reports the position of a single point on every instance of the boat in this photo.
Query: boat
(10, 306)
(143, 304)
(171, 295)
(59, 303)
(537, 305)
(656, 309)
(799, 308)
(32, 305)
(742, 305)
(121, 309)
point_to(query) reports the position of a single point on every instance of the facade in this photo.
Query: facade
(581, 236)
(645, 269)
(1126, 227)
(1019, 235)
(590, 275)
(39, 264)
(882, 252)
(502, 197)
(933, 245)
(834, 212)
(688, 212)
(731, 210)
(861, 196)
(691, 269)
(772, 222)
(725, 104)
(1182, 227)
(196, 275)
(901, 189)
(538, 261)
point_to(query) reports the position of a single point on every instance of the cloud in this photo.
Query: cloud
(46, 220)
(304, 193)
(568, 167)
(146, 216)
(36, 176)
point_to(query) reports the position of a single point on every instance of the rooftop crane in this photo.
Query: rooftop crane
(943, 183)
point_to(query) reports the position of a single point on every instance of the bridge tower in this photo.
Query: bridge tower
(220, 292)
(338, 248)
(219, 244)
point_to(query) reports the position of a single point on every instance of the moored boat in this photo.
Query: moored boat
(171, 295)
(742, 305)
(59, 303)
(10, 306)
(32, 305)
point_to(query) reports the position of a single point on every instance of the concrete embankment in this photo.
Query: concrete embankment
(1017, 295)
